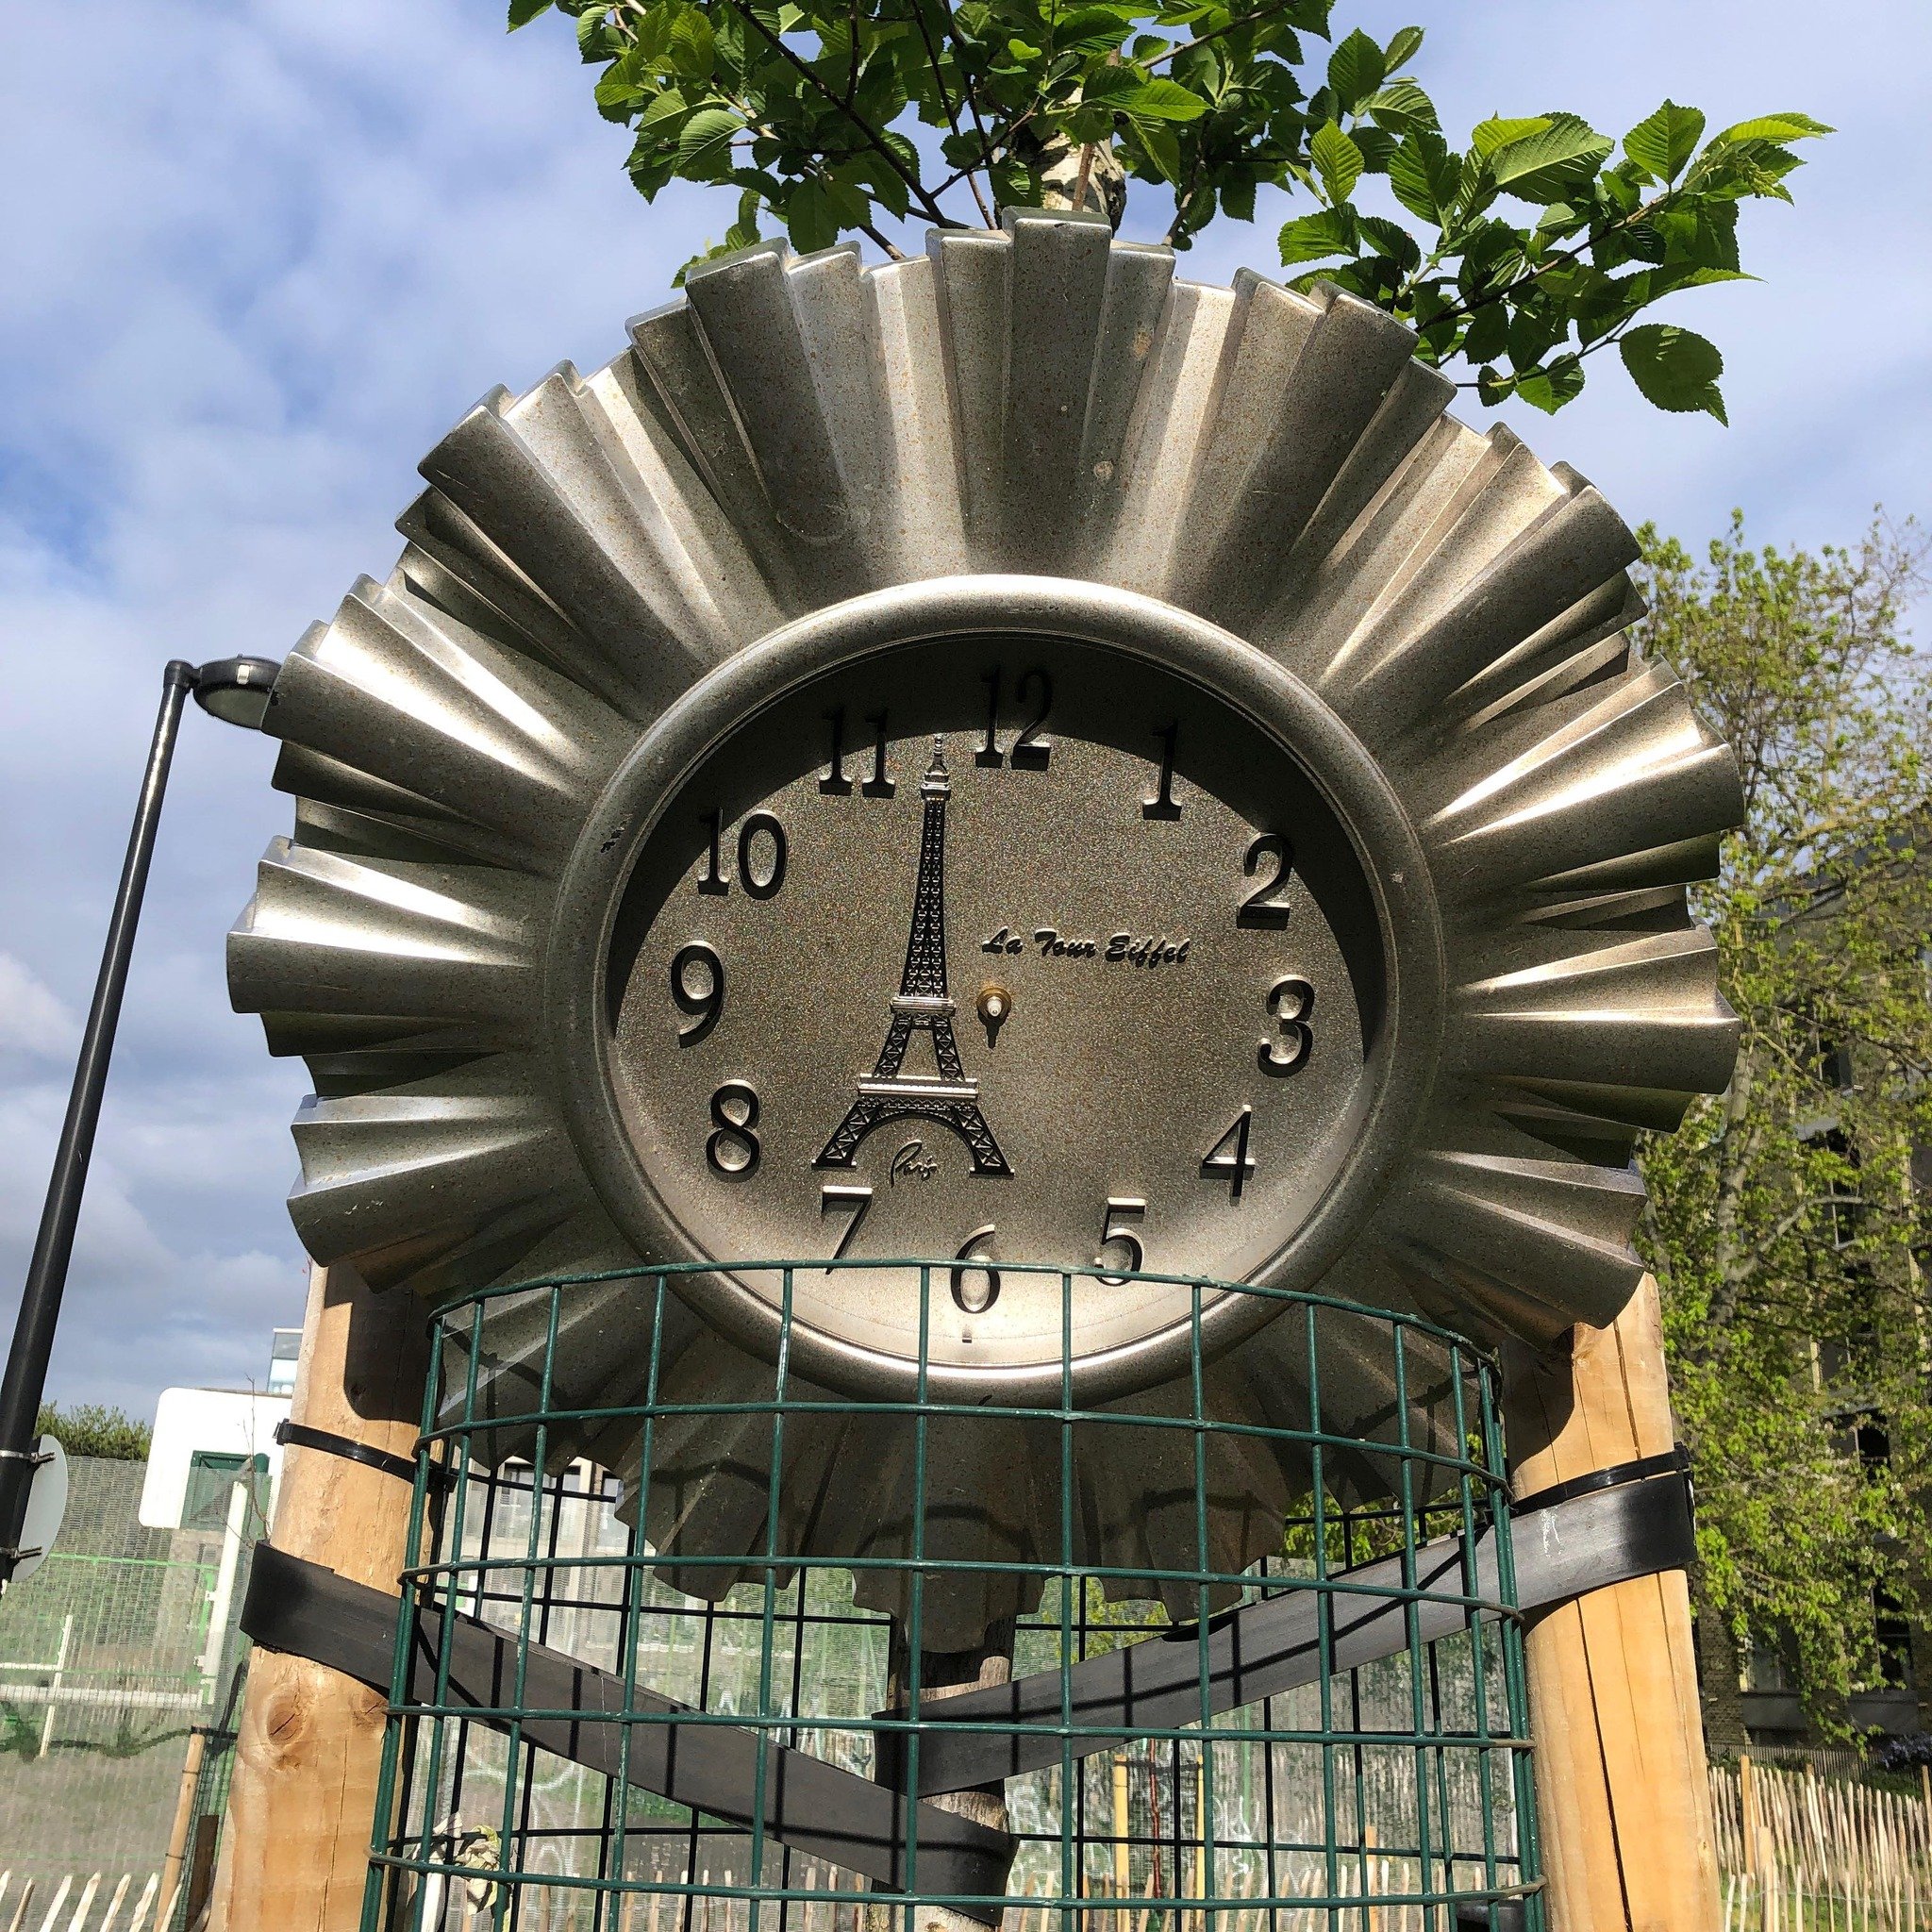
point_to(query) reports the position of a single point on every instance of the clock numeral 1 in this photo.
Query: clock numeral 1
(854, 1201)
(990, 752)
(1121, 1208)
(1227, 1159)
(985, 1290)
(1162, 805)
(712, 881)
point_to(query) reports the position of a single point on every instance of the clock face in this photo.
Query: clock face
(1003, 948)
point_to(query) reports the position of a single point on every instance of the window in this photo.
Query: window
(285, 1350)
(212, 1477)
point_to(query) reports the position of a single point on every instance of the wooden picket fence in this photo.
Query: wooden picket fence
(1800, 1852)
(69, 1909)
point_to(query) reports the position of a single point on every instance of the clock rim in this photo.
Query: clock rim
(1229, 668)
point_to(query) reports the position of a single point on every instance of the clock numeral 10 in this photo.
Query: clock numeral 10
(760, 881)
(1229, 1159)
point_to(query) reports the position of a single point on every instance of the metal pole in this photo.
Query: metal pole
(46, 1276)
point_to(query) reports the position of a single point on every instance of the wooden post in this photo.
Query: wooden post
(1622, 1796)
(302, 1803)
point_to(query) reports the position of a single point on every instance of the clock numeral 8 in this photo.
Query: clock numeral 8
(733, 1150)
(1293, 1003)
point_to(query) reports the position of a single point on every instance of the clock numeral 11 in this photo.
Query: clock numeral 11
(835, 783)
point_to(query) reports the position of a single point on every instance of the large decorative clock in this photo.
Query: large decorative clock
(1005, 758)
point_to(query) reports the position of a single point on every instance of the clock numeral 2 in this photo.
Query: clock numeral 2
(854, 1201)
(1261, 908)
(1029, 751)
(760, 825)
(1121, 1208)
(735, 1138)
(1293, 1003)
(1227, 1159)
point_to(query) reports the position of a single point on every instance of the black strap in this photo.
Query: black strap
(1672, 1462)
(814, 1806)
(303, 1437)
(1562, 1549)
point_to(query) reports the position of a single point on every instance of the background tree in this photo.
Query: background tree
(1533, 245)
(1783, 1221)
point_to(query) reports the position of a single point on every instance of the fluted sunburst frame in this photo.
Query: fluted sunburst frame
(1043, 400)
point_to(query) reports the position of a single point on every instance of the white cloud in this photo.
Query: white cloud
(32, 1021)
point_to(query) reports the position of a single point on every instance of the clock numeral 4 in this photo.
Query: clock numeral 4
(1293, 1003)
(760, 873)
(1228, 1159)
(733, 1150)
(854, 1201)
(1121, 1208)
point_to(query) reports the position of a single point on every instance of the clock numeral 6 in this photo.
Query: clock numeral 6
(705, 1007)
(1227, 1159)
(760, 881)
(1293, 1003)
(985, 1290)
(1121, 1208)
(733, 1150)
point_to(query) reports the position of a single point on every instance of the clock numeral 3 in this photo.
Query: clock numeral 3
(1261, 908)
(1121, 1208)
(854, 1201)
(980, 1297)
(705, 1007)
(760, 882)
(1293, 1003)
(733, 1150)
(1227, 1159)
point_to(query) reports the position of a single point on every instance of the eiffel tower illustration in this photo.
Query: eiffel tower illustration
(922, 1003)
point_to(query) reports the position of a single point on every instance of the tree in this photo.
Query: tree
(90, 1428)
(1785, 1220)
(1530, 249)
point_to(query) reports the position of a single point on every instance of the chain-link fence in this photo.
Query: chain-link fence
(1368, 1770)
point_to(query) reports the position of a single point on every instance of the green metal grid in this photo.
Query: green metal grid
(1395, 1797)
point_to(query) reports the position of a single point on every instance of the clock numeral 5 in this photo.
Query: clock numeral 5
(1121, 1208)
(1293, 1003)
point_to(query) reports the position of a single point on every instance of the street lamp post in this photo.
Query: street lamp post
(239, 690)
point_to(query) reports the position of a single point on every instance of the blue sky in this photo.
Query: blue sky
(259, 255)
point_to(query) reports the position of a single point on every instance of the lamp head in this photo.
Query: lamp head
(237, 689)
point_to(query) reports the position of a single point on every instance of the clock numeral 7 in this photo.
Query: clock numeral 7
(1228, 1159)
(854, 1201)
(1121, 1208)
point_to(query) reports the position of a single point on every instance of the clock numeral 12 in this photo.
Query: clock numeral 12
(1029, 751)
(1228, 1159)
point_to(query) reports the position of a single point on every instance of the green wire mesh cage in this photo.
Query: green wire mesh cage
(609, 1715)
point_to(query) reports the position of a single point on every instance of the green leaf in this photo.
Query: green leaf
(1489, 331)
(1663, 144)
(704, 143)
(1163, 150)
(1393, 240)
(522, 12)
(1547, 164)
(1161, 100)
(1549, 389)
(669, 104)
(1496, 132)
(1237, 200)
(1405, 45)
(1402, 104)
(1354, 71)
(1674, 368)
(1777, 127)
(1337, 159)
(1313, 237)
(1424, 174)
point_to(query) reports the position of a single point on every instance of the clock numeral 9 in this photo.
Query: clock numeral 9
(705, 1007)
(759, 883)
(980, 1297)
(1121, 1208)
(1261, 908)
(733, 1150)
(1293, 1003)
